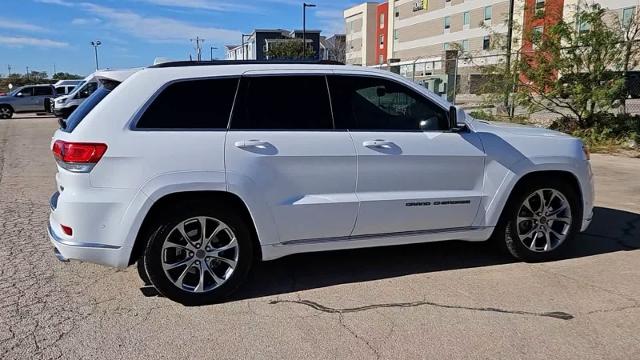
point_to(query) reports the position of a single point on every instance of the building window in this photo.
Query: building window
(447, 22)
(380, 59)
(397, 13)
(382, 21)
(627, 15)
(486, 42)
(466, 18)
(465, 45)
(536, 35)
(445, 46)
(381, 40)
(488, 12)
(395, 34)
(539, 5)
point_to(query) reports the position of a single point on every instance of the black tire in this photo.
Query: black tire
(163, 227)
(6, 112)
(506, 235)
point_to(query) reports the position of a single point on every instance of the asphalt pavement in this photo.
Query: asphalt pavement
(430, 301)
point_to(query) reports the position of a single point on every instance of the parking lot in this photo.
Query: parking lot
(445, 300)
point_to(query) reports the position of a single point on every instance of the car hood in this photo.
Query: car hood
(5, 98)
(513, 129)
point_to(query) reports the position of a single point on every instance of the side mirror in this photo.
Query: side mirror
(456, 118)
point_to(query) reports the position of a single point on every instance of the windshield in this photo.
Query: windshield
(77, 88)
(85, 108)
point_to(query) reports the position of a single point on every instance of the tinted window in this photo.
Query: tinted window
(78, 114)
(43, 91)
(28, 91)
(87, 90)
(60, 90)
(283, 103)
(369, 103)
(195, 104)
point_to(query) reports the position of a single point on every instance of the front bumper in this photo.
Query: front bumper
(63, 112)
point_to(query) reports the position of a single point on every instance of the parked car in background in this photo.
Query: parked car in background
(195, 170)
(63, 106)
(27, 98)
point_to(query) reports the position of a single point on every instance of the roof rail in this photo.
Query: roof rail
(243, 62)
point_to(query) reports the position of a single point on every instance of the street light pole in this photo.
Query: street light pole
(95, 45)
(213, 48)
(304, 28)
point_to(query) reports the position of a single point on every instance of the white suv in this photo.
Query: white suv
(194, 170)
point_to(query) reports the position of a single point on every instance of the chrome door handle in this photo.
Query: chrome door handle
(377, 144)
(251, 143)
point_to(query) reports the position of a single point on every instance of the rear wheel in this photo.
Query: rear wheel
(200, 254)
(6, 112)
(540, 221)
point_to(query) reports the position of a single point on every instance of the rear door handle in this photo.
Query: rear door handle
(377, 144)
(242, 144)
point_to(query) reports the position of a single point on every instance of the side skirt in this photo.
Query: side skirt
(275, 251)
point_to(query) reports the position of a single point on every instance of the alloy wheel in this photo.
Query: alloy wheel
(199, 254)
(544, 220)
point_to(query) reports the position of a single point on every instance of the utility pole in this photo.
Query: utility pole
(198, 48)
(509, 43)
(304, 28)
(213, 48)
(54, 69)
(9, 67)
(27, 73)
(95, 45)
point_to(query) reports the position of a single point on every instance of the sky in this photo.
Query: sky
(42, 34)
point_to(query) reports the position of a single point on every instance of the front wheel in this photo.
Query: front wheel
(540, 221)
(200, 254)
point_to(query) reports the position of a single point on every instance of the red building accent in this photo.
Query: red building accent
(382, 20)
(545, 17)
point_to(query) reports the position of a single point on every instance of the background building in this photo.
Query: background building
(256, 45)
(360, 23)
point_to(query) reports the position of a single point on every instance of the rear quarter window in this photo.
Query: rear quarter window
(191, 104)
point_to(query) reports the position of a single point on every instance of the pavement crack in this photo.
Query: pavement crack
(312, 304)
(365, 341)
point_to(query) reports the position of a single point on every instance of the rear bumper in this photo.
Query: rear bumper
(102, 254)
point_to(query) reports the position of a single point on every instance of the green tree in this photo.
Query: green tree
(574, 69)
(65, 76)
(289, 49)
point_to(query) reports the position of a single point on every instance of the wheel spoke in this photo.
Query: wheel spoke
(542, 202)
(180, 281)
(559, 210)
(230, 262)
(176, 264)
(526, 218)
(547, 246)
(533, 231)
(565, 220)
(200, 287)
(532, 246)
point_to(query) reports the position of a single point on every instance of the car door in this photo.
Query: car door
(282, 146)
(413, 173)
(40, 93)
(25, 100)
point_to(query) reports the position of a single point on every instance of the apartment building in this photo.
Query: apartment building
(360, 33)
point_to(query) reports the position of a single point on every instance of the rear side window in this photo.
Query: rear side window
(283, 103)
(193, 104)
(43, 91)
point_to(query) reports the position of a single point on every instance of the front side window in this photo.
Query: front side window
(283, 103)
(28, 91)
(193, 104)
(87, 90)
(376, 104)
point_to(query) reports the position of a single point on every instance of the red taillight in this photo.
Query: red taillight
(78, 152)
(67, 230)
(78, 157)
